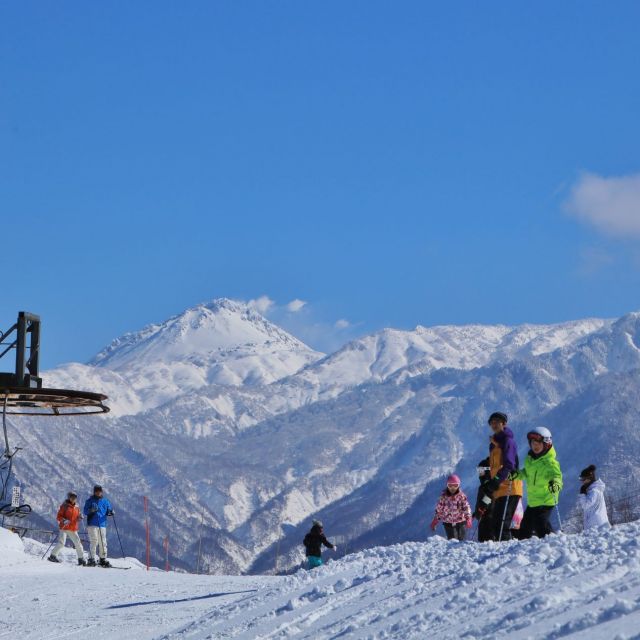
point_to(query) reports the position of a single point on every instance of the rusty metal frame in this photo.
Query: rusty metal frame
(52, 402)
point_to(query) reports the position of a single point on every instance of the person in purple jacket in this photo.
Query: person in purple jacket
(504, 493)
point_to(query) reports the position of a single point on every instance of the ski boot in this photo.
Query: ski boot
(91, 562)
(82, 562)
(52, 558)
(105, 563)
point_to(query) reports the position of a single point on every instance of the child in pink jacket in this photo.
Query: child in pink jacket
(453, 510)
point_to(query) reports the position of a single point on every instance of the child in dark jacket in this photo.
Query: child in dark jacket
(483, 509)
(313, 542)
(453, 510)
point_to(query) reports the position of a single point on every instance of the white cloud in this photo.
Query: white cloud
(612, 205)
(296, 305)
(262, 304)
(308, 323)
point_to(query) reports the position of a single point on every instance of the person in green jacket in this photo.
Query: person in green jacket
(544, 482)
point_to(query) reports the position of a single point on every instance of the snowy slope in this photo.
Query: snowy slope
(585, 586)
(44, 601)
(579, 586)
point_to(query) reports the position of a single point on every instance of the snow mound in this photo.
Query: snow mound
(11, 549)
(579, 586)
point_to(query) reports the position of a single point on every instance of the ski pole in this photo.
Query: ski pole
(504, 513)
(85, 533)
(55, 535)
(558, 510)
(118, 534)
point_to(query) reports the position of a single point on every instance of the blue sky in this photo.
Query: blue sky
(391, 164)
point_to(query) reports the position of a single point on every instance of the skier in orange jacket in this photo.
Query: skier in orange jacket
(69, 518)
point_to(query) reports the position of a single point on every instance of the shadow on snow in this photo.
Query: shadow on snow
(209, 595)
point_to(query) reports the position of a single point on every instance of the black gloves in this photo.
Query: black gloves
(491, 485)
(554, 486)
(480, 512)
(111, 512)
(483, 506)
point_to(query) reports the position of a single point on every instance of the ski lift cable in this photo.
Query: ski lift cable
(4, 425)
(9, 509)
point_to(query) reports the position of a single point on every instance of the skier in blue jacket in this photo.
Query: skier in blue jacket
(97, 508)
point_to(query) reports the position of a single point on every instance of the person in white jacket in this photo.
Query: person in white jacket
(591, 499)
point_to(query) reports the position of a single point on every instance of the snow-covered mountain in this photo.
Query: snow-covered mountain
(376, 357)
(236, 430)
(228, 340)
(223, 343)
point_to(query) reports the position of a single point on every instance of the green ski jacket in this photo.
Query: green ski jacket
(537, 473)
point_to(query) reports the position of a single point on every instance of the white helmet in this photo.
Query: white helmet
(540, 432)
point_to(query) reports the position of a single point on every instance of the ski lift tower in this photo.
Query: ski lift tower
(22, 393)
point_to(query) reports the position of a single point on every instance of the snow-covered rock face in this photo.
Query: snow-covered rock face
(223, 419)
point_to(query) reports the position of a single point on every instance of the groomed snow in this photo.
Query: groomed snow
(46, 601)
(580, 586)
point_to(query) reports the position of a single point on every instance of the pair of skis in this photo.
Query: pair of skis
(96, 565)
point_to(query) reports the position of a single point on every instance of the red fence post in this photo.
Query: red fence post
(166, 549)
(146, 518)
